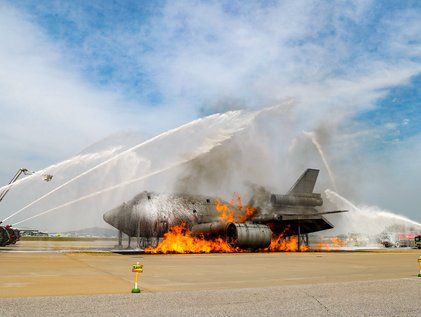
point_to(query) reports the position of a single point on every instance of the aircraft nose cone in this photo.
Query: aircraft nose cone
(137, 217)
(111, 217)
(123, 218)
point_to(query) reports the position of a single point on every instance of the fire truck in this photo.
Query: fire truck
(9, 235)
(400, 240)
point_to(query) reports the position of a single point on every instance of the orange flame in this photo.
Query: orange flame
(333, 243)
(228, 212)
(337, 243)
(236, 197)
(179, 240)
(286, 244)
(322, 246)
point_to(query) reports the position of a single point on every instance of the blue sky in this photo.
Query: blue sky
(75, 23)
(400, 110)
(86, 31)
(77, 71)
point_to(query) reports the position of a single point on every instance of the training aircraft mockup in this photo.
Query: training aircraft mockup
(151, 215)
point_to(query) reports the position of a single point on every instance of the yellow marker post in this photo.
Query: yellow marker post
(419, 262)
(136, 268)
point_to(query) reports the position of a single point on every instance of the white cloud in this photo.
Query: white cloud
(49, 111)
(201, 54)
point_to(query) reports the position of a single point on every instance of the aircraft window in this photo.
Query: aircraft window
(208, 200)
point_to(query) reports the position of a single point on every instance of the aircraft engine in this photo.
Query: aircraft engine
(242, 235)
(296, 199)
(209, 229)
(248, 236)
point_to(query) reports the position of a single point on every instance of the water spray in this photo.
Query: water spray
(102, 191)
(201, 151)
(313, 138)
(330, 194)
(24, 171)
(15, 181)
(46, 172)
(234, 114)
(380, 219)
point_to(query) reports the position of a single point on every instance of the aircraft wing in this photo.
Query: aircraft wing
(331, 212)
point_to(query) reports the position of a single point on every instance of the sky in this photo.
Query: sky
(75, 72)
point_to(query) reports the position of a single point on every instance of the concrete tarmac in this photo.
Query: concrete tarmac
(375, 283)
(400, 297)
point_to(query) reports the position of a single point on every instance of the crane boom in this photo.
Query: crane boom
(14, 179)
(9, 235)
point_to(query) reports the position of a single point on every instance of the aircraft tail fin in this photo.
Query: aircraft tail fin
(306, 182)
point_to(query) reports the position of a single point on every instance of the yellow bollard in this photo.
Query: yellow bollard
(136, 268)
(419, 262)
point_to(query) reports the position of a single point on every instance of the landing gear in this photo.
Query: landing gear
(302, 239)
(299, 238)
(120, 241)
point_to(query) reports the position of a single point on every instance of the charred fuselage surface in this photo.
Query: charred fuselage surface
(151, 215)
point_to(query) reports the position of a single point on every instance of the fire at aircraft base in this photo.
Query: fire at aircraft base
(199, 224)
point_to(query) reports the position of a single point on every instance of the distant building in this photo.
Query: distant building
(32, 233)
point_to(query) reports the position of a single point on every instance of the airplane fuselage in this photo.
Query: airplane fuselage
(152, 215)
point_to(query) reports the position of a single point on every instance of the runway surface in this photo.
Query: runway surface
(400, 297)
(364, 283)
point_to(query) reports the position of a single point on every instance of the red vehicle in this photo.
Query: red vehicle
(8, 235)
